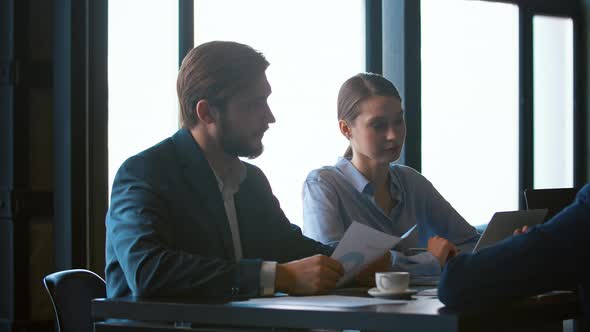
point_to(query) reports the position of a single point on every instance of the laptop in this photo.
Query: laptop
(504, 223)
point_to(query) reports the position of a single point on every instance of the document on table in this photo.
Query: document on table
(332, 301)
(360, 246)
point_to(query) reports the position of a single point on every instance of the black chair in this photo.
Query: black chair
(71, 292)
(554, 200)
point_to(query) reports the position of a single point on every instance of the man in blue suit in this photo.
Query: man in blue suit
(552, 256)
(188, 218)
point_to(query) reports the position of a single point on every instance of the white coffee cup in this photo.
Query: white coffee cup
(393, 282)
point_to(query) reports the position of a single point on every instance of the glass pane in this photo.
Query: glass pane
(312, 52)
(143, 64)
(553, 102)
(470, 104)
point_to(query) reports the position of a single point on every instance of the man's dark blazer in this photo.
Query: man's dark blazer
(551, 256)
(168, 233)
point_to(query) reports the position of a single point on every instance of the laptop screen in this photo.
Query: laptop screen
(504, 223)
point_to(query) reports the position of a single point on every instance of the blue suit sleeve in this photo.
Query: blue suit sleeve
(287, 238)
(549, 257)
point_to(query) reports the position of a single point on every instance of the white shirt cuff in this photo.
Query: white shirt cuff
(267, 278)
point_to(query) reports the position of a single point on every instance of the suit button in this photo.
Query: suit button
(235, 290)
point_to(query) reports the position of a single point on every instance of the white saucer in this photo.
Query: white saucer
(392, 295)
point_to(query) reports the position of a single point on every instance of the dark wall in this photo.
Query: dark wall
(587, 79)
(26, 181)
(53, 81)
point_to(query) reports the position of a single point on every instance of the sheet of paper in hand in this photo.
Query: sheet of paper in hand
(360, 246)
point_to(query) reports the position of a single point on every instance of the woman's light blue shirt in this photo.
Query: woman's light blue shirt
(335, 196)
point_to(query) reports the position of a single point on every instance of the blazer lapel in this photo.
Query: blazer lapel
(200, 177)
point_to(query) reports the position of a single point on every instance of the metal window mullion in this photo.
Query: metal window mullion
(525, 118)
(580, 101)
(186, 28)
(374, 36)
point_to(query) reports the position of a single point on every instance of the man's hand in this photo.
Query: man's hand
(522, 230)
(308, 276)
(441, 248)
(366, 277)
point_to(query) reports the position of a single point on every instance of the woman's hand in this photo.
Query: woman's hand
(441, 248)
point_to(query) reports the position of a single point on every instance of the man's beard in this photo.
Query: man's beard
(236, 146)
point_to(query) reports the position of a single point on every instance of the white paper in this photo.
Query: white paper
(360, 246)
(334, 301)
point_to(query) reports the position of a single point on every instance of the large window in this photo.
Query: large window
(312, 51)
(469, 89)
(143, 64)
(470, 104)
(553, 102)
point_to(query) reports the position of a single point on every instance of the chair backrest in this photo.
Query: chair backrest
(71, 292)
(554, 200)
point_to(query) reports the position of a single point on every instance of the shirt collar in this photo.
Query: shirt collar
(361, 184)
(356, 178)
(230, 178)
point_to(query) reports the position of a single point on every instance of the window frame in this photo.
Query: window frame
(401, 31)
